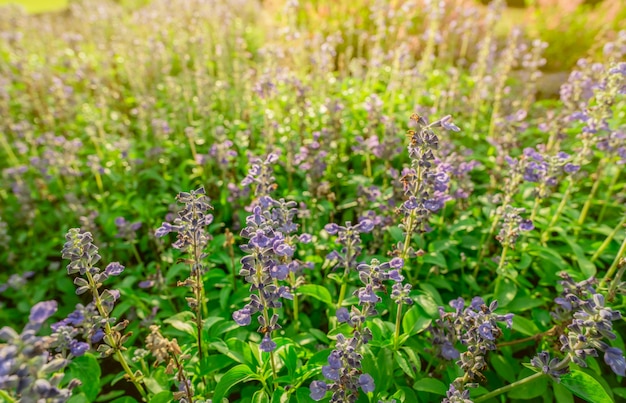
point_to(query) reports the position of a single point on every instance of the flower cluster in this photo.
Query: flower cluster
(165, 350)
(269, 258)
(125, 229)
(591, 325)
(344, 363)
(84, 321)
(349, 237)
(28, 371)
(424, 184)
(476, 328)
(512, 225)
(547, 170)
(190, 225)
(261, 174)
(83, 256)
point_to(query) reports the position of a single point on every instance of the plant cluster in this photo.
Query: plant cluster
(293, 207)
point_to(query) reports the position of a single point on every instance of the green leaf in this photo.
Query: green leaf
(561, 394)
(413, 322)
(585, 386)
(530, 390)
(237, 374)
(428, 304)
(503, 367)
(304, 395)
(505, 291)
(260, 397)
(87, 370)
(76, 398)
(316, 291)
(431, 385)
(181, 321)
(524, 326)
(403, 363)
(621, 392)
(162, 397)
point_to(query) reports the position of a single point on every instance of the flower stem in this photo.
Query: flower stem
(608, 240)
(508, 387)
(108, 331)
(592, 195)
(615, 265)
(564, 200)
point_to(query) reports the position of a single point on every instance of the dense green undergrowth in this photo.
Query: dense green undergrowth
(350, 198)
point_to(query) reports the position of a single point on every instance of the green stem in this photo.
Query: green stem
(608, 240)
(617, 280)
(508, 387)
(615, 264)
(344, 279)
(108, 331)
(136, 253)
(396, 336)
(609, 193)
(592, 194)
(557, 214)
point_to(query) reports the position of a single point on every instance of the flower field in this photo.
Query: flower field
(296, 201)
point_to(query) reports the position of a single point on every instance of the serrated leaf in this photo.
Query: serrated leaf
(237, 374)
(585, 386)
(431, 385)
(316, 291)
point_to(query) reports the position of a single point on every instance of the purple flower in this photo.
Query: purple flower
(570, 168)
(396, 263)
(343, 315)
(78, 348)
(114, 269)
(267, 345)
(330, 373)
(614, 358)
(279, 272)
(396, 276)
(242, 317)
(366, 382)
(41, 311)
(365, 226)
(318, 390)
(526, 225)
(331, 228)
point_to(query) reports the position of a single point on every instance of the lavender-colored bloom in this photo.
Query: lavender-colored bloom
(318, 390)
(548, 366)
(41, 312)
(614, 357)
(78, 348)
(366, 382)
(343, 315)
(267, 344)
(114, 269)
(330, 373)
(526, 225)
(242, 317)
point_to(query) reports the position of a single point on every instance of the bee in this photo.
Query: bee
(416, 117)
